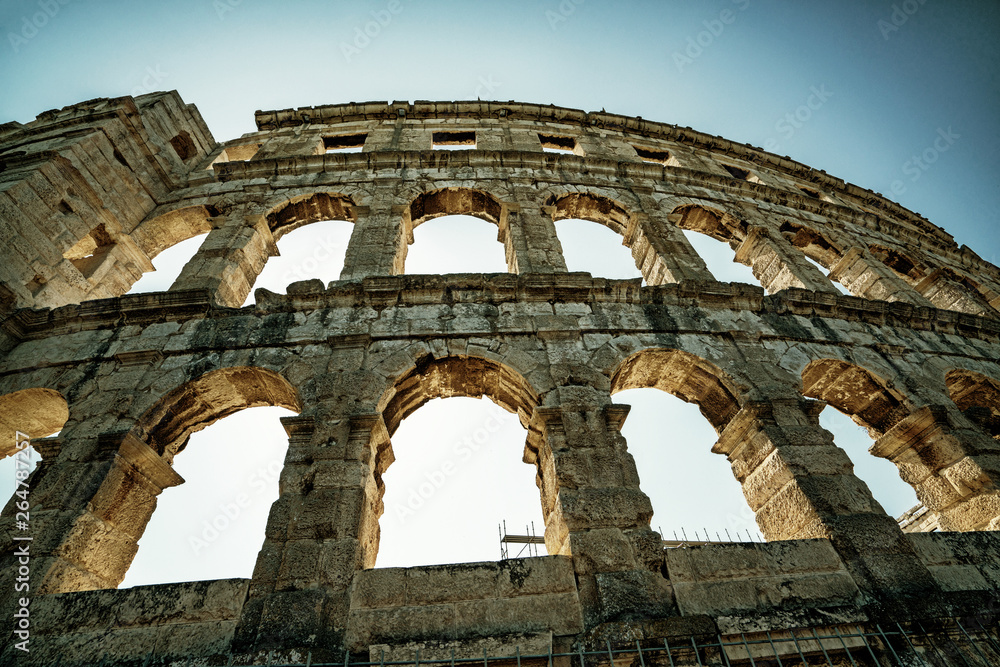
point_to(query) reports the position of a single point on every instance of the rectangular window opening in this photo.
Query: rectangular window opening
(454, 140)
(556, 144)
(345, 143)
(240, 153)
(650, 155)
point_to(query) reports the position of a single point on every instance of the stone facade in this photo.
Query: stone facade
(91, 193)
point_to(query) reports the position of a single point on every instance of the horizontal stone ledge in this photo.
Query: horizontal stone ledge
(382, 292)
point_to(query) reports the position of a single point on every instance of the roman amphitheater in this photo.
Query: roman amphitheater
(109, 386)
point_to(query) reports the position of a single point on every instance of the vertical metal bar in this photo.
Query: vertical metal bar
(844, 644)
(381, 660)
(722, 647)
(864, 640)
(971, 641)
(798, 648)
(611, 654)
(747, 647)
(550, 653)
(930, 642)
(270, 654)
(642, 662)
(961, 653)
(913, 649)
(517, 650)
(416, 662)
(309, 659)
(452, 657)
(347, 657)
(696, 656)
(774, 649)
(885, 640)
(582, 662)
(821, 648)
(669, 656)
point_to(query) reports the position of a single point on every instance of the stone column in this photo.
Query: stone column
(801, 485)
(379, 240)
(778, 265)
(659, 247)
(529, 237)
(865, 276)
(945, 292)
(593, 508)
(953, 465)
(321, 530)
(88, 514)
(230, 259)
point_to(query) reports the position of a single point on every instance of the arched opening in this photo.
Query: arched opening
(201, 531)
(212, 526)
(315, 251)
(456, 241)
(816, 248)
(311, 233)
(978, 396)
(168, 266)
(595, 248)
(861, 409)
(170, 240)
(26, 414)
(715, 236)
(458, 469)
(692, 489)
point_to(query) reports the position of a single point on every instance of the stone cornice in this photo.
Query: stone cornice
(519, 111)
(380, 293)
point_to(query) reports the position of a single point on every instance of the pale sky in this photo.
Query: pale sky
(848, 87)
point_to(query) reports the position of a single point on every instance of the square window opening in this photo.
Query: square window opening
(345, 143)
(651, 155)
(453, 140)
(556, 144)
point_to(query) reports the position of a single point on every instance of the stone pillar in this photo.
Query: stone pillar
(320, 531)
(230, 259)
(865, 276)
(529, 237)
(87, 515)
(593, 508)
(661, 251)
(944, 292)
(778, 265)
(378, 242)
(953, 465)
(801, 485)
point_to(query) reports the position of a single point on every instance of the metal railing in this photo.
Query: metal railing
(952, 642)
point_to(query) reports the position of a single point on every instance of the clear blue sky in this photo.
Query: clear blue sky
(885, 79)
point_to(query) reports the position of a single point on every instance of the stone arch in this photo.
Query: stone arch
(455, 201)
(978, 396)
(460, 375)
(306, 208)
(37, 412)
(156, 234)
(596, 208)
(189, 408)
(686, 376)
(710, 221)
(857, 392)
(813, 244)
